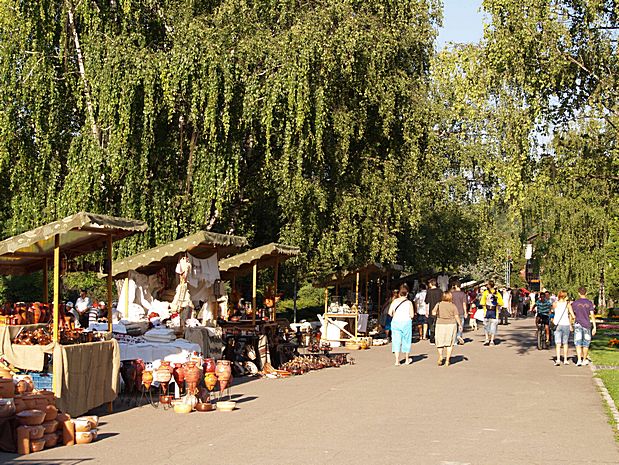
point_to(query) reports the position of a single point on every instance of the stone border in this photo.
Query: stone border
(609, 400)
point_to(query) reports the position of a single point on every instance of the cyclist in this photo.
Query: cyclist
(543, 308)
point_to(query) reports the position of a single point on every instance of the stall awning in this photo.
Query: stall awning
(201, 245)
(265, 256)
(79, 234)
(373, 270)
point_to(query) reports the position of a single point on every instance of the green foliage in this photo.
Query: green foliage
(95, 286)
(601, 352)
(28, 288)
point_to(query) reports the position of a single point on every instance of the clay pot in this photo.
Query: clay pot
(30, 417)
(179, 374)
(166, 399)
(84, 437)
(51, 413)
(20, 405)
(209, 365)
(7, 388)
(192, 376)
(37, 445)
(36, 432)
(21, 387)
(50, 440)
(37, 314)
(82, 425)
(49, 396)
(164, 372)
(182, 408)
(224, 373)
(147, 379)
(40, 402)
(50, 426)
(7, 408)
(29, 402)
(210, 380)
(204, 407)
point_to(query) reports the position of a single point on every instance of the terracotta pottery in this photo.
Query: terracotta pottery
(37, 313)
(40, 402)
(182, 408)
(36, 432)
(51, 413)
(37, 445)
(84, 437)
(49, 396)
(50, 440)
(224, 373)
(7, 408)
(20, 405)
(164, 372)
(51, 426)
(192, 376)
(210, 380)
(82, 425)
(7, 388)
(179, 374)
(147, 379)
(29, 401)
(21, 387)
(209, 365)
(204, 407)
(30, 417)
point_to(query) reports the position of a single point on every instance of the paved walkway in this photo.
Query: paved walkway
(497, 405)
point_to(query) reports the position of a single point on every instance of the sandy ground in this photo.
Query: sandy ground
(506, 404)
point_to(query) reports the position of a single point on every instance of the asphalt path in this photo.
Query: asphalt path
(505, 404)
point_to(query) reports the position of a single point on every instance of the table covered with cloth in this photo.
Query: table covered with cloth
(88, 375)
(23, 356)
(151, 351)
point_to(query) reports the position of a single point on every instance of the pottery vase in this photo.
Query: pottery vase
(164, 372)
(224, 373)
(147, 379)
(179, 374)
(210, 380)
(192, 376)
(209, 365)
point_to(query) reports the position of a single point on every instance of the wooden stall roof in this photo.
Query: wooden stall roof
(265, 256)
(80, 234)
(373, 270)
(201, 245)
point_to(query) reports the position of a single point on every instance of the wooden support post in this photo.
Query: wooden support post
(233, 282)
(46, 281)
(253, 291)
(56, 287)
(379, 304)
(126, 303)
(357, 292)
(109, 283)
(275, 277)
(367, 291)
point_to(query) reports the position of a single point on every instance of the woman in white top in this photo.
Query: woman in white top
(422, 312)
(563, 325)
(401, 312)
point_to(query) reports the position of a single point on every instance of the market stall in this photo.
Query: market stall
(350, 314)
(169, 286)
(245, 329)
(85, 375)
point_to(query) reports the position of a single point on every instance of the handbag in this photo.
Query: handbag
(553, 325)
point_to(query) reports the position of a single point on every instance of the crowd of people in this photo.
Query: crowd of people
(441, 315)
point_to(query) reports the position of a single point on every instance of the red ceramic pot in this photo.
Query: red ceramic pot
(224, 373)
(192, 376)
(209, 365)
(179, 374)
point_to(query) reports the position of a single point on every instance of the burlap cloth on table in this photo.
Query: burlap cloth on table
(212, 344)
(23, 357)
(89, 375)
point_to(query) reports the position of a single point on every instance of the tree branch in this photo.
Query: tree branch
(96, 131)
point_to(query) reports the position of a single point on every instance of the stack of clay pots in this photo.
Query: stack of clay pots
(86, 429)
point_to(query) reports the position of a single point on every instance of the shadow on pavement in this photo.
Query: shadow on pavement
(241, 400)
(17, 459)
(457, 359)
(419, 358)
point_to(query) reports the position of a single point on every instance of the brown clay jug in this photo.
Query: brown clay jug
(224, 373)
(209, 365)
(192, 376)
(179, 374)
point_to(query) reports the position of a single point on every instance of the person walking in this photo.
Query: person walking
(582, 312)
(491, 300)
(448, 322)
(385, 317)
(563, 326)
(402, 312)
(459, 299)
(421, 307)
(433, 296)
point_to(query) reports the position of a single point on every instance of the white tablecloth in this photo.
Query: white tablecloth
(151, 351)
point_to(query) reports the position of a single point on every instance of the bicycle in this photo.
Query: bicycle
(540, 334)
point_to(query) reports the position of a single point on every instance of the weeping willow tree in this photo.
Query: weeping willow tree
(281, 120)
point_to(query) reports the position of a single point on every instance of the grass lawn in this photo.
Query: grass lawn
(600, 352)
(611, 380)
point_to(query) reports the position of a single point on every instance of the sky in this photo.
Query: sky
(462, 22)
